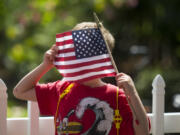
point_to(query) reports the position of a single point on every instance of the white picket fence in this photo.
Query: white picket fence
(34, 125)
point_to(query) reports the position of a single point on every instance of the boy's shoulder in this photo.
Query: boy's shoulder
(113, 88)
(61, 85)
(54, 85)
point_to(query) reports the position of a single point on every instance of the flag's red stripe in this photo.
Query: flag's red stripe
(86, 71)
(71, 66)
(70, 41)
(57, 59)
(63, 34)
(96, 76)
(66, 50)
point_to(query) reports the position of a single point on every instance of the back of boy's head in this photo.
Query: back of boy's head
(107, 35)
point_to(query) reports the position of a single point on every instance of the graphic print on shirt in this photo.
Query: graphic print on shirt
(103, 118)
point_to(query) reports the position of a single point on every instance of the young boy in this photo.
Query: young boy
(86, 108)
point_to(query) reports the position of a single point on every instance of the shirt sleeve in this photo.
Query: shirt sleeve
(149, 122)
(126, 113)
(47, 96)
(126, 126)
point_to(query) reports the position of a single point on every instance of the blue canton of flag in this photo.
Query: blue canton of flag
(88, 43)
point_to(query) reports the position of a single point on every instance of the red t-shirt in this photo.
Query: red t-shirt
(85, 110)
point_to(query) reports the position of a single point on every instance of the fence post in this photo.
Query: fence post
(33, 121)
(3, 108)
(158, 105)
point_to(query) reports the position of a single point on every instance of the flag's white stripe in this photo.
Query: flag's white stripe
(88, 75)
(63, 38)
(67, 46)
(65, 55)
(84, 68)
(77, 61)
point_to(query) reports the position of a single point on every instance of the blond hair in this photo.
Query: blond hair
(107, 35)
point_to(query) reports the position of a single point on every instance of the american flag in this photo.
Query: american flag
(83, 55)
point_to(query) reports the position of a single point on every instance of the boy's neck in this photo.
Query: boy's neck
(94, 83)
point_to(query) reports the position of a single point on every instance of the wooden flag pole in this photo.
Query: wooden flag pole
(100, 26)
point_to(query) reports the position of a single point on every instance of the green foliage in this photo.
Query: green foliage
(28, 29)
(171, 77)
(16, 110)
(144, 80)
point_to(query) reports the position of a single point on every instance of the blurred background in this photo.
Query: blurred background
(147, 34)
